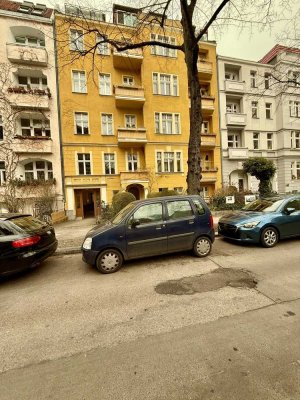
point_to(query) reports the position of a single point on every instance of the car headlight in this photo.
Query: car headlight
(251, 224)
(87, 244)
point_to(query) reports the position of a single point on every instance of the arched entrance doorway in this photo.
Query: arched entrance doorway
(137, 190)
(239, 179)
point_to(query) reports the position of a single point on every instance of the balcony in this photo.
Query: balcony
(129, 137)
(237, 153)
(32, 99)
(236, 119)
(207, 103)
(205, 68)
(129, 59)
(129, 96)
(208, 176)
(33, 145)
(234, 86)
(26, 54)
(208, 166)
(208, 140)
(134, 176)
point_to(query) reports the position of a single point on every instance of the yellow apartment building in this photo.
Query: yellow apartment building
(125, 115)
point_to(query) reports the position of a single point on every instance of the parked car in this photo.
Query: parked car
(151, 227)
(263, 221)
(24, 242)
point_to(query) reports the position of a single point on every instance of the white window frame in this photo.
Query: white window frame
(76, 42)
(26, 42)
(85, 161)
(34, 123)
(253, 79)
(2, 173)
(294, 109)
(30, 85)
(104, 84)
(267, 80)
(160, 85)
(254, 109)
(165, 159)
(270, 142)
(205, 127)
(48, 173)
(295, 170)
(163, 51)
(167, 123)
(112, 160)
(102, 48)
(128, 18)
(295, 139)
(294, 78)
(232, 108)
(130, 121)
(81, 122)
(129, 79)
(268, 110)
(132, 162)
(80, 81)
(256, 140)
(107, 124)
(236, 140)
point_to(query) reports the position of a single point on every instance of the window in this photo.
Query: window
(255, 140)
(167, 123)
(253, 79)
(105, 84)
(163, 51)
(31, 82)
(295, 169)
(231, 76)
(79, 82)
(179, 209)
(168, 161)
(1, 128)
(102, 47)
(2, 173)
(178, 189)
(205, 127)
(267, 80)
(147, 214)
(268, 110)
(294, 78)
(107, 124)
(204, 192)
(130, 121)
(35, 127)
(125, 18)
(199, 207)
(233, 140)
(204, 90)
(30, 41)
(81, 123)
(128, 80)
(109, 163)
(84, 163)
(76, 40)
(269, 141)
(295, 109)
(232, 108)
(39, 170)
(132, 162)
(254, 108)
(164, 84)
(295, 139)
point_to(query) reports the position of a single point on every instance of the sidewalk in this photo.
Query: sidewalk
(70, 234)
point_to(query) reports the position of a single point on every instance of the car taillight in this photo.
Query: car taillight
(211, 221)
(29, 241)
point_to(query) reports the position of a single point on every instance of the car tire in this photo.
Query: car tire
(269, 237)
(202, 246)
(109, 261)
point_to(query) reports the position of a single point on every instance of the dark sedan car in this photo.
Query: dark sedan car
(263, 221)
(24, 242)
(151, 227)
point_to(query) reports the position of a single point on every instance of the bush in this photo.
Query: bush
(163, 193)
(218, 200)
(120, 200)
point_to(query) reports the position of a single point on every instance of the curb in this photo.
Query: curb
(67, 250)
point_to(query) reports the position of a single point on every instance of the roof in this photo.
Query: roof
(277, 50)
(14, 6)
(7, 216)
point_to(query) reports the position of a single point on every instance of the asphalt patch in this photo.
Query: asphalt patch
(214, 280)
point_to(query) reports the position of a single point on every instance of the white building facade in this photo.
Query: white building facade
(27, 53)
(260, 117)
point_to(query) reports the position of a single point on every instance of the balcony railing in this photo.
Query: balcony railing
(129, 96)
(236, 153)
(22, 98)
(26, 54)
(207, 103)
(234, 86)
(205, 68)
(132, 137)
(132, 58)
(208, 140)
(236, 119)
(208, 166)
(33, 145)
(133, 176)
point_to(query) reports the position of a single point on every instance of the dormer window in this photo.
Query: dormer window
(125, 18)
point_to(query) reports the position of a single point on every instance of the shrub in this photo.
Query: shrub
(120, 200)
(163, 193)
(218, 199)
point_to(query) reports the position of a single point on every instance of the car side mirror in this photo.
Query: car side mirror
(135, 223)
(289, 210)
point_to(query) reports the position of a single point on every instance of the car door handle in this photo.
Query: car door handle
(160, 227)
(191, 222)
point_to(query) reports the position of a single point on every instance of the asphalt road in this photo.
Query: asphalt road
(68, 332)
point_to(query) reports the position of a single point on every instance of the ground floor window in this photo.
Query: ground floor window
(109, 163)
(84, 163)
(132, 162)
(295, 169)
(2, 172)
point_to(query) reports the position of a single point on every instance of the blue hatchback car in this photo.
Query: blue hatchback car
(263, 221)
(150, 227)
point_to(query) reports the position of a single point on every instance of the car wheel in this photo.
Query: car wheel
(109, 261)
(202, 247)
(269, 237)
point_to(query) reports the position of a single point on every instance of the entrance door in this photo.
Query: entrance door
(86, 201)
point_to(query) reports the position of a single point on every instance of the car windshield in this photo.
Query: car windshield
(122, 214)
(265, 205)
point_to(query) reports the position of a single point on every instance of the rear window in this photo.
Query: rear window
(28, 223)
